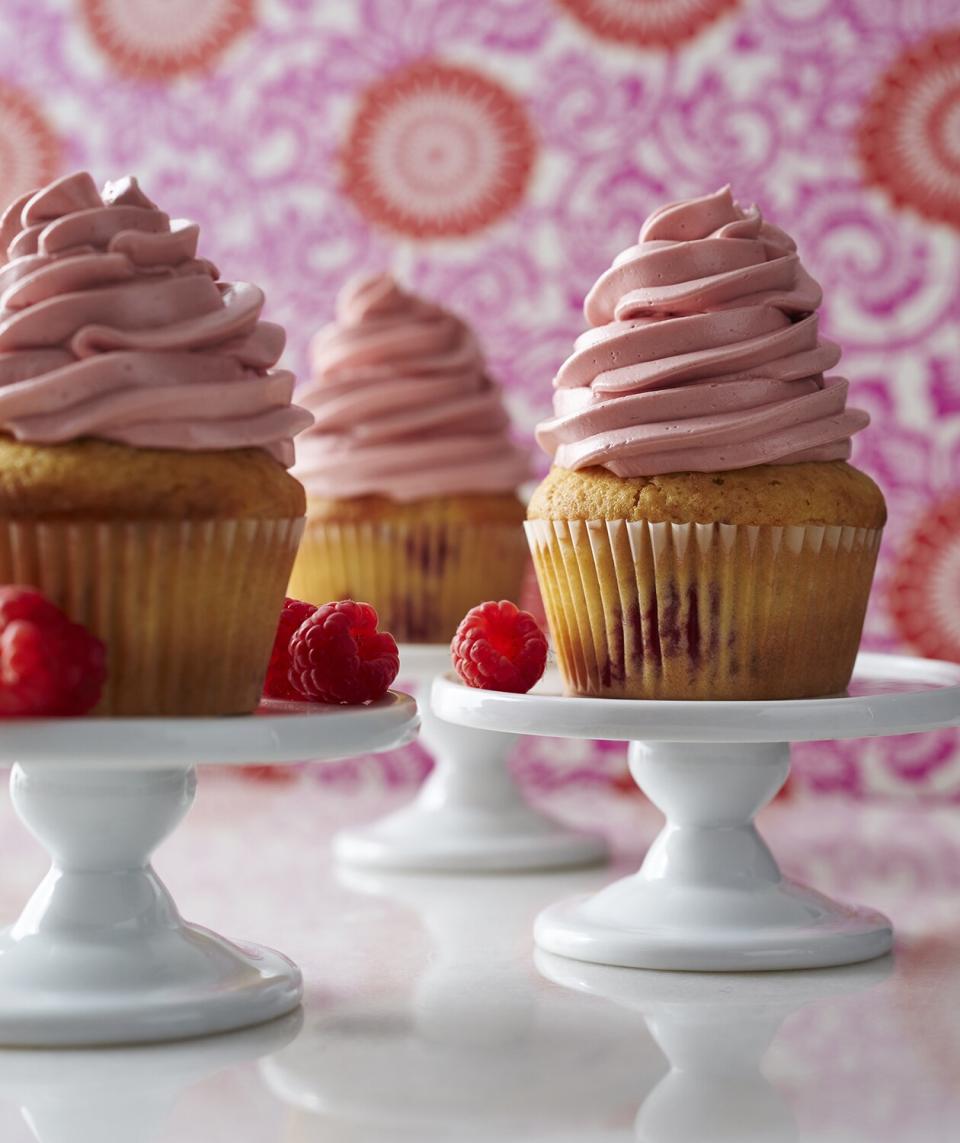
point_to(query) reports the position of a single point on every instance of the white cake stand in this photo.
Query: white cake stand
(100, 954)
(469, 816)
(715, 1036)
(710, 895)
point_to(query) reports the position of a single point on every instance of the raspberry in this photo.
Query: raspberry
(338, 655)
(498, 647)
(277, 684)
(49, 665)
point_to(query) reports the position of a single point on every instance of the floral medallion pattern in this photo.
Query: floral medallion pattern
(158, 41)
(437, 151)
(910, 136)
(647, 23)
(498, 154)
(925, 586)
(29, 148)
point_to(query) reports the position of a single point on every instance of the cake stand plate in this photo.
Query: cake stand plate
(709, 895)
(100, 954)
(470, 816)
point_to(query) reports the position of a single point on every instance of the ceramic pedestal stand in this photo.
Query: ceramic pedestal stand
(469, 816)
(100, 954)
(715, 1036)
(710, 896)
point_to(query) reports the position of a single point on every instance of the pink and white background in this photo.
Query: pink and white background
(498, 154)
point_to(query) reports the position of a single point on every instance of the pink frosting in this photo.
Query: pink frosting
(703, 354)
(402, 403)
(112, 327)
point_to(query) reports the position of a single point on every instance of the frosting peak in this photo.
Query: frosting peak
(402, 402)
(111, 326)
(703, 354)
(377, 296)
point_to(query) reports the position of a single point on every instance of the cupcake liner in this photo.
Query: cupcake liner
(421, 576)
(188, 609)
(703, 611)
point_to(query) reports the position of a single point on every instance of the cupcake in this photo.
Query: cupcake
(410, 473)
(701, 534)
(144, 445)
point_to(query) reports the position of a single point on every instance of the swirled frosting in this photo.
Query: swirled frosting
(112, 327)
(402, 403)
(703, 354)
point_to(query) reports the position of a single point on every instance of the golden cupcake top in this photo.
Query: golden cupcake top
(99, 480)
(831, 493)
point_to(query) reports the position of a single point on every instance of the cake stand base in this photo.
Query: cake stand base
(813, 931)
(710, 896)
(189, 982)
(470, 816)
(468, 841)
(100, 954)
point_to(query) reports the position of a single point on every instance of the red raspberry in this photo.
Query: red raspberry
(277, 684)
(339, 656)
(49, 665)
(498, 647)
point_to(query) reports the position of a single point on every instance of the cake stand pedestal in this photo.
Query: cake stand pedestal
(710, 895)
(100, 954)
(469, 816)
(715, 1036)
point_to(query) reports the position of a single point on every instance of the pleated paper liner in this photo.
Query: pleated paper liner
(188, 609)
(422, 576)
(703, 611)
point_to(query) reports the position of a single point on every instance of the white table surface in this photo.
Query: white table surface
(427, 1020)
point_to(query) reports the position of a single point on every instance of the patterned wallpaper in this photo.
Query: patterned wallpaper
(498, 154)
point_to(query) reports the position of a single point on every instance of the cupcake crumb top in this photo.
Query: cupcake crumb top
(99, 480)
(781, 495)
